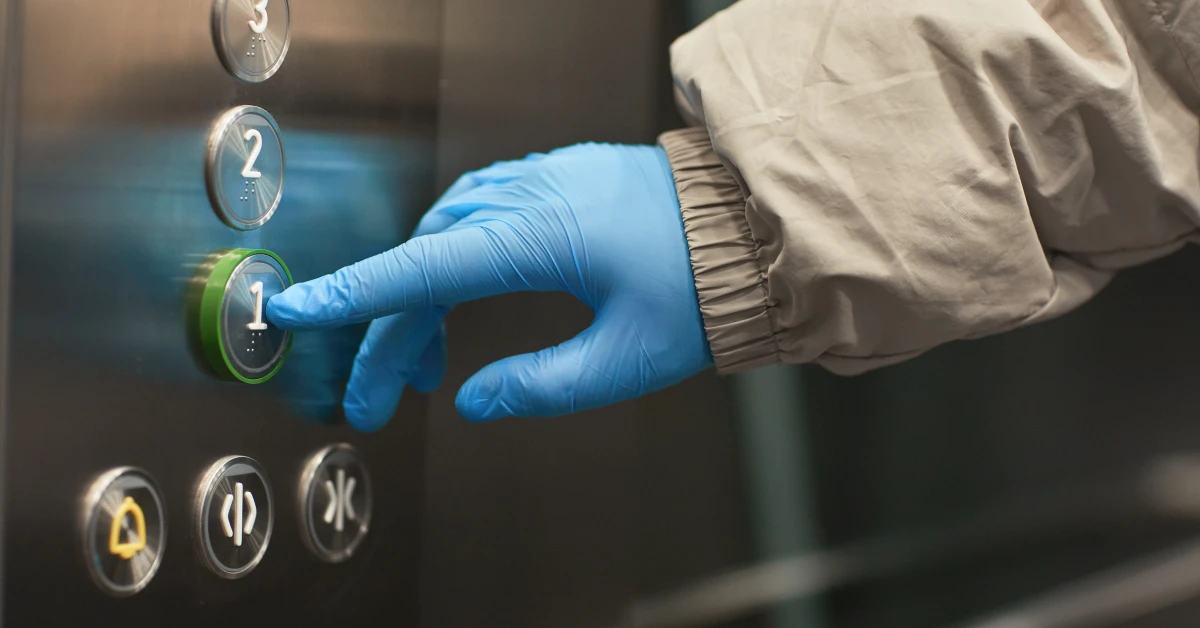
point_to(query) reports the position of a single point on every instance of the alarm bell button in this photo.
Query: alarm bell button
(124, 530)
(117, 547)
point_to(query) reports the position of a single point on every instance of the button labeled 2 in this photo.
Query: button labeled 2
(245, 166)
(238, 342)
(252, 36)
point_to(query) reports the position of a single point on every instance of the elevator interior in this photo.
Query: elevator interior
(121, 191)
(985, 479)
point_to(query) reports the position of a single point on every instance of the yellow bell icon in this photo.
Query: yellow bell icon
(127, 550)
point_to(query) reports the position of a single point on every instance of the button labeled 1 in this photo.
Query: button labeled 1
(335, 502)
(237, 340)
(252, 36)
(125, 530)
(233, 516)
(244, 167)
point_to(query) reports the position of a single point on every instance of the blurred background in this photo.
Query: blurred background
(1041, 478)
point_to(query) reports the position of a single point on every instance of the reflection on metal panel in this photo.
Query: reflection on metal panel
(112, 225)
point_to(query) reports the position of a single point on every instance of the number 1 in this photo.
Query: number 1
(257, 324)
(260, 26)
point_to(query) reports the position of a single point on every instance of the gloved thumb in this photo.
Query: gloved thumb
(568, 378)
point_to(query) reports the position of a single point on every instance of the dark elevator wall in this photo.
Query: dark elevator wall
(561, 522)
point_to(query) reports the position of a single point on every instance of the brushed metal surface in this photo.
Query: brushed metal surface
(234, 552)
(336, 501)
(117, 573)
(110, 221)
(252, 36)
(245, 202)
(252, 353)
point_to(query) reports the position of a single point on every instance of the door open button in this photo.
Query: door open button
(233, 516)
(243, 521)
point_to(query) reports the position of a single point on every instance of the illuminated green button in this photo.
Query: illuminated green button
(237, 340)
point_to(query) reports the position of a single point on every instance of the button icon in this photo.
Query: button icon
(243, 522)
(233, 516)
(340, 507)
(335, 502)
(124, 530)
(252, 36)
(238, 342)
(244, 167)
(120, 525)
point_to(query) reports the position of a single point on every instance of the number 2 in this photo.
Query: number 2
(248, 170)
(257, 324)
(260, 26)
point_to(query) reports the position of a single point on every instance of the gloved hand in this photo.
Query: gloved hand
(598, 221)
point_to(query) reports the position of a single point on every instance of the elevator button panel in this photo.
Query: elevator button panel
(124, 530)
(335, 502)
(238, 342)
(244, 167)
(252, 36)
(234, 516)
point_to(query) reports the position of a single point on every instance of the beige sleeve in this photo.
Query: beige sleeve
(868, 180)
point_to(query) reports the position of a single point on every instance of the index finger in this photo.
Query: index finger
(443, 269)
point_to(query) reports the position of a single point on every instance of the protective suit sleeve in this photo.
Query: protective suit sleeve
(868, 180)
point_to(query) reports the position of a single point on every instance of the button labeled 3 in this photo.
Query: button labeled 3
(233, 516)
(244, 167)
(335, 502)
(235, 338)
(252, 36)
(124, 530)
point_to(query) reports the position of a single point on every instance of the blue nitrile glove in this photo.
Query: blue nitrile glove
(601, 222)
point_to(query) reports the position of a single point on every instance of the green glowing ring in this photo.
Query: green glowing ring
(213, 299)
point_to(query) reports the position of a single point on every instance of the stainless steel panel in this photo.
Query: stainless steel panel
(110, 221)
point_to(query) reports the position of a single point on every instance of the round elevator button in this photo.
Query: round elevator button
(124, 530)
(234, 516)
(237, 340)
(335, 502)
(252, 36)
(244, 167)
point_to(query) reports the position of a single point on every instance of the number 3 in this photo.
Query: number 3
(248, 170)
(260, 9)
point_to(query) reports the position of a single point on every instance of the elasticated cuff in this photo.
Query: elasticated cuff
(730, 281)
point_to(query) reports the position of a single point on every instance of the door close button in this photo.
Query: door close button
(335, 502)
